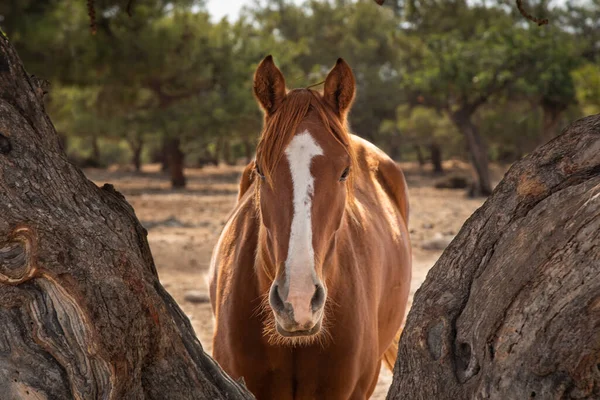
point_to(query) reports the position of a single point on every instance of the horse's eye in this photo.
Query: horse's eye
(345, 174)
(258, 171)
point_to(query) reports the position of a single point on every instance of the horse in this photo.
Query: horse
(310, 277)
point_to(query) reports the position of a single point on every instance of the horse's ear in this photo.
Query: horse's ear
(269, 85)
(340, 87)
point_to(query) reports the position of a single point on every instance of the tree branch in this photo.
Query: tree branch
(524, 13)
(495, 87)
(530, 17)
(92, 14)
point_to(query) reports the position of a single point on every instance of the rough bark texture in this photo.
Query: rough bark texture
(512, 308)
(82, 312)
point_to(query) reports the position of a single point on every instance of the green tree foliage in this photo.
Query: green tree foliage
(458, 74)
(587, 81)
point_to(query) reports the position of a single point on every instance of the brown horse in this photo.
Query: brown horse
(310, 278)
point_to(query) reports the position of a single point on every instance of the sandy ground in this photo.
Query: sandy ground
(184, 225)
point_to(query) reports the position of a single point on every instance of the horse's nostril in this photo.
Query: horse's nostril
(318, 298)
(275, 299)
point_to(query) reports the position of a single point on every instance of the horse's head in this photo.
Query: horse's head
(304, 160)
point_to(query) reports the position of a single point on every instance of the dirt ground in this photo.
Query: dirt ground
(184, 225)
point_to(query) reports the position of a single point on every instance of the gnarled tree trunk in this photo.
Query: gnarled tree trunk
(512, 308)
(82, 312)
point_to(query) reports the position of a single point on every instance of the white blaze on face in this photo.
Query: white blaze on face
(300, 262)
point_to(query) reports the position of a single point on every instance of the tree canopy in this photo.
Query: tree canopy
(156, 71)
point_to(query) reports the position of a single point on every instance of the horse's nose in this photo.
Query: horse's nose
(275, 300)
(318, 299)
(297, 311)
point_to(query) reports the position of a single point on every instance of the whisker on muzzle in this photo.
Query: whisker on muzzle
(323, 338)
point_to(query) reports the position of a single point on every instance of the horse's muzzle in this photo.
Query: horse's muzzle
(297, 318)
(294, 333)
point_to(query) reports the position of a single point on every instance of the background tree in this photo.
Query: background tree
(169, 77)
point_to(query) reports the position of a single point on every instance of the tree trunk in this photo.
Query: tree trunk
(436, 157)
(82, 311)
(512, 308)
(551, 113)
(136, 144)
(137, 158)
(420, 156)
(477, 152)
(176, 163)
(63, 141)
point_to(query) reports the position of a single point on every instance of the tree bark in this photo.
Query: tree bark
(176, 163)
(477, 152)
(82, 311)
(436, 157)
(63, 141)
(512, 308)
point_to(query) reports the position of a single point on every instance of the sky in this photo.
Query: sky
(225, 8)
(228, 8)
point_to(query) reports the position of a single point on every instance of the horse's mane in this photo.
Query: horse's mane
(279, 128)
